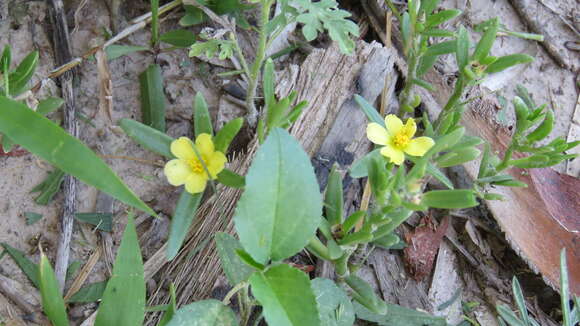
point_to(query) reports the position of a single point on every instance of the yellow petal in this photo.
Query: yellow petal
(396, 156)
(410, 127)
(377, 134)
(216, 163)
(394, 124)
(177, 172)
(419, 146)
(204, 144)
(182, 148)
(195, 183)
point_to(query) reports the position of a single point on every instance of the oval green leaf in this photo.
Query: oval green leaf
(286, 297)
(449, 199)
(204, 313)
(47, 140)
(334, 306)
(224, 137)
(235, 269)
(180, 37)
(281, 207)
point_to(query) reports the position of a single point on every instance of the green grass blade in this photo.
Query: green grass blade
(124, 298)
(181, 221)
(519, 298)
(29, 268)
(171, 308)
(51, 143)
(52, 302)
(152, 97)
(564, 293)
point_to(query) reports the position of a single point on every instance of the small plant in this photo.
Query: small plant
(281, 211)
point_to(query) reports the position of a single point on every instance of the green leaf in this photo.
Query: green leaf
(390, 241)
(268, 84)
(449, 199)
(436, 32)
(152, 139)
(235, 269)
(281, 198)
(50, 142)
(185, 212)
(29, 268)
(89, 293)
(52, 302)
(352, 220)
(399, 316)
(201, 118)
(5, 60)
(371, 113)
(334, 305)
(204, 313)
(224, 137)
(543, 130)
(115, 51)
(530, 162)
(333, 202)
(520, 301)
(564, 289)
(209, 48)
(248, 260)
(463, 45)
(507, 61)
(286, 296)
(325, 15)
(359, 169)
(19, 78)
(486, 42)
(48, 187)
(152, 97)
(458, 157)
(440, 176)
(179, 37)
(103, 221)
(171, 309)
(32, 217)
(126, 288)
(231, 179)
(49, 105)
(193, 16)
(508, 315)
(441, 17)
(364, 294)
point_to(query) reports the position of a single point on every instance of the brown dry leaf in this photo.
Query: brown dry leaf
(423, 244)
(105, 85)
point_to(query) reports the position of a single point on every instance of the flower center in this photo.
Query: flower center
(401, 140)
(196, 166)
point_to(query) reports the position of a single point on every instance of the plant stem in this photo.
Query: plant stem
(318, 248)
(154, 22)
(506, 159)
(256, 67)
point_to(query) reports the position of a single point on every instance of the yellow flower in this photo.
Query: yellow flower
(398, 139)
(187, 169)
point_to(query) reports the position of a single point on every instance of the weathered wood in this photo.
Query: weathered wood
(62, 51)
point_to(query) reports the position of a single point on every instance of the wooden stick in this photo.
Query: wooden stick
(62, 50)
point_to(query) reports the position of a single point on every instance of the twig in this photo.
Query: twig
(529, 17)
(83, 274)
(139, 23)
(62, 49)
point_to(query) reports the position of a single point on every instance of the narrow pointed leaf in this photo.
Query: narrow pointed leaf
(333, 201)
(126, 288)
(152, 97)
(224, 137)
(50, 142)
(52, 302)
(507, 61)
(49, 105)
(25, 70)
(449, 199)
(201, 118)
(152, 139)
(180, 37)
(29, 268)
(231, 179)
(184, 214)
